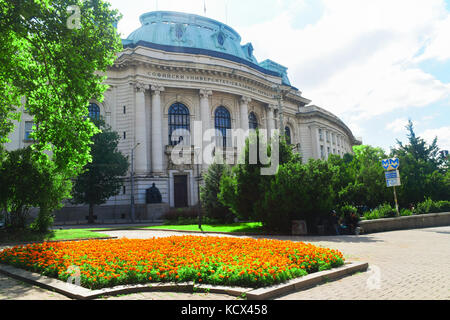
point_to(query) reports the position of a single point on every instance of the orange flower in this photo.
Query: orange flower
(111, 260)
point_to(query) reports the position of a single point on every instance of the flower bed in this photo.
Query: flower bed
(212, 260)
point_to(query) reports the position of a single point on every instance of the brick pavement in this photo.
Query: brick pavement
(407, 264)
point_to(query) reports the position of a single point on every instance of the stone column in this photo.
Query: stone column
(270, 120)
(205, 117)
(157, 145)
(141, 151)
(244, 101)
(315, 142)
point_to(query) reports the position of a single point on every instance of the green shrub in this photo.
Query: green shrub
(430, 206)
(43, 221)
(386, 211)
(349, 216)
(174, 215)
(185, 216)
(444, 206)
(371, 215)
(405, 212)
(211, 205)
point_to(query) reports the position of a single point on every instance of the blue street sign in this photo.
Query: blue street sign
(392, 174)
(394, 163)
(393, 182)
(385, 164)
(390, 164)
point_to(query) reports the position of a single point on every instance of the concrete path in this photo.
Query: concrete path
(407, 264)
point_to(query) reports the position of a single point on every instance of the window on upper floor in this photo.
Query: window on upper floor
(222, 124)
(94, 111)
(179, 124)
(287, 133)
(320, 134)
(252, 121)
(28, 130)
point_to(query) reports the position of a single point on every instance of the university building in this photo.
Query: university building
(180, 68)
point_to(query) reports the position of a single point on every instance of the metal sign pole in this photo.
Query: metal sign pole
(396, 203)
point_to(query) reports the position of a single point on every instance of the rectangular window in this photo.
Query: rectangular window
(334, 151)
(320, 134)
(328, 136)
(124, 190)
(124, 135)
(28, 130)
(328, 150)
(124, 109)
(322, 154)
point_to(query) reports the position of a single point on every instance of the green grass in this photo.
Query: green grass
(68, 234)
(65, 234)
(248, 227)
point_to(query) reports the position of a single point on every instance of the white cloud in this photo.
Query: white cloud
(442, 134)
(398, 125)
(438, 44)
(358, 60)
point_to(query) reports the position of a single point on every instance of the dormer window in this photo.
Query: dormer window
(179, 31)
(221, 38)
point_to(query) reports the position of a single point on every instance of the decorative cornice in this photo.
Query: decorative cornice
(157, 89)
(140, 86)
(205, 93)
(245, 100)
(271, 107)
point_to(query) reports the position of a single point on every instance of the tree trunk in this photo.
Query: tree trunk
(91, 214)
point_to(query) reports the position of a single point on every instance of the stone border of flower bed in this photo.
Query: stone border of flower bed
(265, 293)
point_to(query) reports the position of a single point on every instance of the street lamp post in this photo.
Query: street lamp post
(197, 155)
(132, 183)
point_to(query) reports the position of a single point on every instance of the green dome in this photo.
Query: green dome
(191, 33)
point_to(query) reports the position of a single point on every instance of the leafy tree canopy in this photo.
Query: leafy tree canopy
(102, 178)
(52, 66)
(26, 183)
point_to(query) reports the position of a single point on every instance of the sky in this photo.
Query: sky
(374, 64)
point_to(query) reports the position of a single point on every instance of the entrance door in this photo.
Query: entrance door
(180, 191)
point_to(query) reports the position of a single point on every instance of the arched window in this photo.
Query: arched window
(287, 132)
(179, 124)
(94, 111)
(252, 121)
(222, 123)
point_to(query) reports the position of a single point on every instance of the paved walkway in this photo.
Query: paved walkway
(407, 264)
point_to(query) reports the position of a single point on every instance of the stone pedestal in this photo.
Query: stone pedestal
(299, 228)
(156, 210)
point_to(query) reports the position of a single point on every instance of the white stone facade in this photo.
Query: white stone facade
(143, 84)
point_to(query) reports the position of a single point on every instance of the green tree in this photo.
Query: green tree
(424, 173)
(52, 66)
(245, 187)
(210, 190)
(365, 182)
(244, 181)
(102, 178)
(298, 191)
(25, 183)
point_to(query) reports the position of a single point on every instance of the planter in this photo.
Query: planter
(407, 222)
